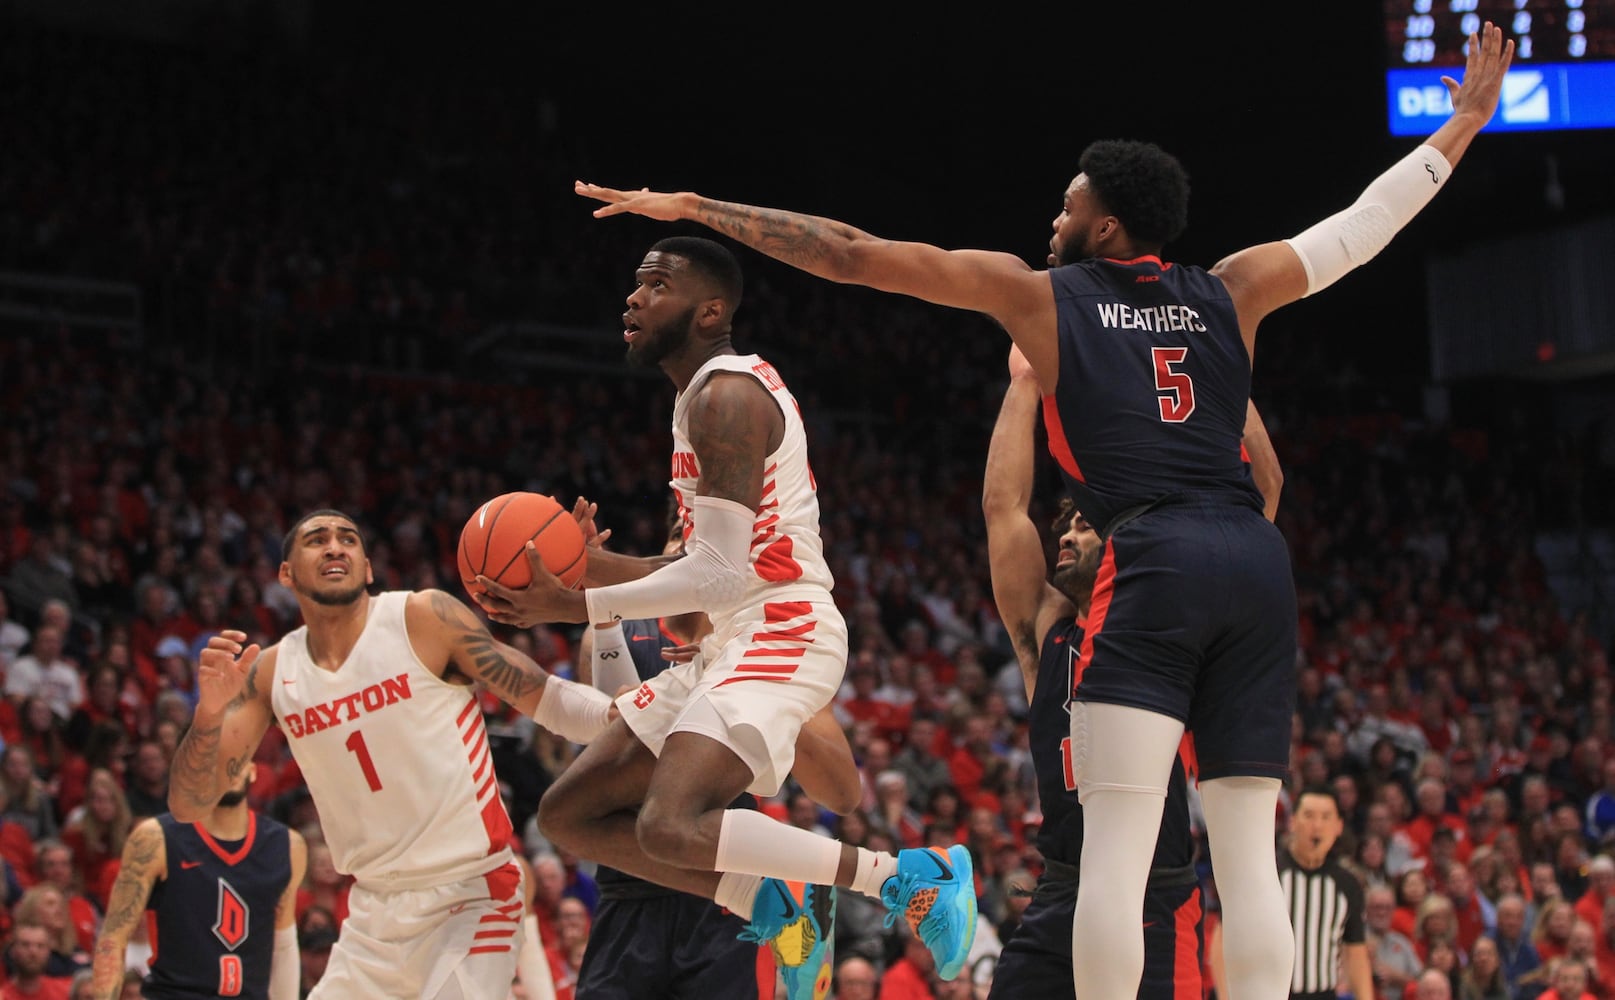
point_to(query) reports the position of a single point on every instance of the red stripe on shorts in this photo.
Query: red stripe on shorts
(1104, 586)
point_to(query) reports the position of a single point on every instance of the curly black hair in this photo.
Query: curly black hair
(1142, 185)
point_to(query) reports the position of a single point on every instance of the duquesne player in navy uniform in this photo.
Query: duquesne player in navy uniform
(1046, 620)
(220, 900)
(1148, 369)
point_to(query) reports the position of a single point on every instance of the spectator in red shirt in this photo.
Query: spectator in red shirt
(1466, 904)
(973, 763)
(1432, 803)
(1569, 980)
(53, 863)
(96, 833)
(30, 952)
(909, 978)
(862, 703)
(1600, 887)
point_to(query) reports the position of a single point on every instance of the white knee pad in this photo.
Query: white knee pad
(1117, 748)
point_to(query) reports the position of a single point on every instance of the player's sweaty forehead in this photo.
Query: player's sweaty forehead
(663, 265)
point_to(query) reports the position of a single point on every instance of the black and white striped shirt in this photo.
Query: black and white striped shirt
(1326, 911)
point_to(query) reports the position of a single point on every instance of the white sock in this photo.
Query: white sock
(736, 893)
(753, 844)
(872, 872)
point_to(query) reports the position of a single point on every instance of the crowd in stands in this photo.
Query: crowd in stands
(1461, 714)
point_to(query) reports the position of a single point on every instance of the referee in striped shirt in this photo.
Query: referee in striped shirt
(1326, 903)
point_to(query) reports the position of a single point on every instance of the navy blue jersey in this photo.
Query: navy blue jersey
(212, 918)
(646, 639)
(1060, 836)
(1153, 385)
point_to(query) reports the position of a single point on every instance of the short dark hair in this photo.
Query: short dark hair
(287, 542)
(1142, 185)
(712, 260)
(1322, 792)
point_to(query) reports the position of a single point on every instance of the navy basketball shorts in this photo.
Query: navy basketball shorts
(1036, 960)
(678, 946)
(1194, 616)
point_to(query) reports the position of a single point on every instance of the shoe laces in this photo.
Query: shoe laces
(933, 928)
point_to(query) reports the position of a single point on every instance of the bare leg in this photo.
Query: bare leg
(592, 811)
(682, 818)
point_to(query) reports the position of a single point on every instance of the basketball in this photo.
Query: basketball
(493, 540)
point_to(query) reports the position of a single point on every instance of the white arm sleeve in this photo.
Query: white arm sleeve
(572, 710)
(1351, 238)
(612, 664)
(532, 968)
(285, 971)
(717, 559)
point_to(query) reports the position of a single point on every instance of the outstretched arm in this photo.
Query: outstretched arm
(1000, 285)
(1264, 461)
(1262, 278)
(444, 631)
(1026, 603)
(232, 715)
(144, 862)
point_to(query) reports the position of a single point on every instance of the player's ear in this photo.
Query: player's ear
(285, 575)
(714, 312)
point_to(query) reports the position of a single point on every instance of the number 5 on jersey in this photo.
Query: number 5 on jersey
(1175, 388)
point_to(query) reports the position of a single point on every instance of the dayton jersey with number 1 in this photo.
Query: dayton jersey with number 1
(1153, 386)
(397, 758)
(787, 555)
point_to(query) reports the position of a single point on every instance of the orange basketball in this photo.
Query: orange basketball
(493, 540)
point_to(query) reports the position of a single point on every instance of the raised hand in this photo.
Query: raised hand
(224, 671)
(1488, 62)
(646, 202)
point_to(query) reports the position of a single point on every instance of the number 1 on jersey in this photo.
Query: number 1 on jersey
(1175, 388)
(356, 744)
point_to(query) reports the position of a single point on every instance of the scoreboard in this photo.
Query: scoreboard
(1563, 75)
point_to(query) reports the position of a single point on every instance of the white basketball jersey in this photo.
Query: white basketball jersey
(396, 758)
(787, 554)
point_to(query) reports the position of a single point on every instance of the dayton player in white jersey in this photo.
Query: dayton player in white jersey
(375, 697)
(649, 796)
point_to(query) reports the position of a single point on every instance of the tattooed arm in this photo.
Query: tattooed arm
(1027, 604)
(999, 284)
(448, 635)
(232, 715)
(144, 862)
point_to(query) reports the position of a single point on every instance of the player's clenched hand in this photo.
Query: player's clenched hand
(652, 204)
(583, 512)
(543, 600)
(221, 674)
(1489, 58)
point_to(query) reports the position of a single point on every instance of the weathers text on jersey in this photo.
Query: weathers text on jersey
(1151, 319)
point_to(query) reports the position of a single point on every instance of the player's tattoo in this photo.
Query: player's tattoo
(490, 661)
(195, 771)
(730, 443)
(800, 240)
(249, 690)
(125, 907)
